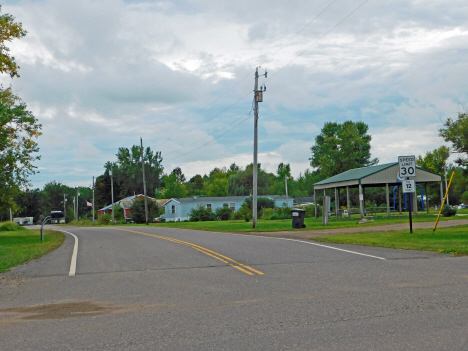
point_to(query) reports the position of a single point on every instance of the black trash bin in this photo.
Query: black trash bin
(298, 216)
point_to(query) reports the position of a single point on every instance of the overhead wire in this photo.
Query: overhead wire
(271, 77)
(196, 142)
(245, 77)
(315, 42)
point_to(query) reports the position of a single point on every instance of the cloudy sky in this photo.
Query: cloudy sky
(101, 74)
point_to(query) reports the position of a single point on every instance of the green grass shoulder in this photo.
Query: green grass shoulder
(19, 245)
(452, 240)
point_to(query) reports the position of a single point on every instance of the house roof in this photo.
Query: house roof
(374, 176)
(198, 199)
(125, 203)
(355, 174)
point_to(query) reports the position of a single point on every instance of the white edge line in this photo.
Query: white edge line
(310, 243)
(75, 253)
(335, 248)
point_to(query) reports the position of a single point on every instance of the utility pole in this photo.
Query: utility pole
(286, 186)
(64, 206)
(11, 216)
(144, 182)
(445, 167)
(77, 201)
(112, 192)
(92, 209)
(258, 97)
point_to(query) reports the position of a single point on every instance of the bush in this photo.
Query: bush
(268, 213)
(138, 210)
(104, 219)
(448, 211)
(201, 213)
(262, 202)
(9, 227)
(224, 213)
(237, 215)
(284, 212)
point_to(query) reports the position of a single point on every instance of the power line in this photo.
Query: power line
(281, 69)
(227, 108)
(315, 42)
(196, 142)
(219, 136)
(266, 59)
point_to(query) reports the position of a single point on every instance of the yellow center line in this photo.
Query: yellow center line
(241, 267)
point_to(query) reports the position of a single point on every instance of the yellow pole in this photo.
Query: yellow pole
(443, 202)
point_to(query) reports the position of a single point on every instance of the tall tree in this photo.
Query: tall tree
(340, 147)
(18, 131)
(434, 160)
(18, 126)
(456, 132)
(174, 188)
(9, 30)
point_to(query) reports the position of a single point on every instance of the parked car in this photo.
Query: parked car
(160, 219)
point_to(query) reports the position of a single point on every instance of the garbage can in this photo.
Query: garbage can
(298, 216)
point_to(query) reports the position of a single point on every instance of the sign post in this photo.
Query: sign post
(407, 165)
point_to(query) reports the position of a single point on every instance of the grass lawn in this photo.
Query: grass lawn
(19, 245)
(285, 224)
(453, 240)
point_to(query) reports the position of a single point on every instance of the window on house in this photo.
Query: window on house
(208, 206)
(225, 205)
(232, 206)
(173, 209)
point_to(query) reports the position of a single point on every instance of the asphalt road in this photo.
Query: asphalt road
(170, 289)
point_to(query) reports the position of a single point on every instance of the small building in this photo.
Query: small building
(178, 209)
(126, 203)
(385, 175)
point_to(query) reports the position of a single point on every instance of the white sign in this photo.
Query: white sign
(361, 197)
(407, 166)
(408, 186)
(295, 214)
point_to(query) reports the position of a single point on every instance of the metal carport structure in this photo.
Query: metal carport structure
(374, 176)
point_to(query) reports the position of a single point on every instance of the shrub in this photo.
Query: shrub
(237, 215)
(201, 213)
(268, 213)
(224, 213)
(262, 202)
(448, 211)
(310, 211)
(104, 219)
(138, 210)
(283, 212)
(9, 227)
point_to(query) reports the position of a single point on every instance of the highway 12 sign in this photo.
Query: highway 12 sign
(407, 166)
(408, 186)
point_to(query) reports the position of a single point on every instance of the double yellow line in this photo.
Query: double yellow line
(242, 267)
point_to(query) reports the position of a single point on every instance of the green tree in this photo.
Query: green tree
(137, 211)
(434, 160)
(340, 147)
(128, 173)
(240, 182)
(18, 131)
(195, 185)
(174, 188)
(217, 183)
(456, 132)
(9, 30)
